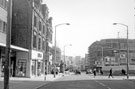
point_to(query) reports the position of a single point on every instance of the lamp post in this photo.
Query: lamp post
(127, 47)
(55, 45)
(64, 57)
(8, 43)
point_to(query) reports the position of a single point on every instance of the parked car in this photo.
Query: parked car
(77, 72)
(88, 71)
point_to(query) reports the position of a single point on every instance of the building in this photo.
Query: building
(86, 61)
(111, 53)
(3, 24)
(16, 51)
(31, 29)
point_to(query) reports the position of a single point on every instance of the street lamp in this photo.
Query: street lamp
(55, 45)
(64, 56)
(127, 47)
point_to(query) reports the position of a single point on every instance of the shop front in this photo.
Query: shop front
(37, 65)
(18, 60)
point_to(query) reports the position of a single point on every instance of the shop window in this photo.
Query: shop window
(33, 67)
(2, 62)
(39, 64)
(22, 68)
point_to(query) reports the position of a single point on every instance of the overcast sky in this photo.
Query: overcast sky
(91, 20)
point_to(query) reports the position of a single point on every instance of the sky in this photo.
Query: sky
(90, 21)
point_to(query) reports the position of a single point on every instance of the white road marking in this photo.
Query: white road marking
(103, 84)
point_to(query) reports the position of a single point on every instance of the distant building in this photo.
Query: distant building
(111, 53)
(86, 61)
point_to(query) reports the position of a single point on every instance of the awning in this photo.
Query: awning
(1, 44)
(15, 47)
(19, 48)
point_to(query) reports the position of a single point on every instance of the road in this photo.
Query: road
(84, 81)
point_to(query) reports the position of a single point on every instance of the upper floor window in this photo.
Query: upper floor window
(43, 44)
(34, 40)
(39, 42)
(44, 29)
(3, 4)
(35, 21)
(3, 26)
(40, 26)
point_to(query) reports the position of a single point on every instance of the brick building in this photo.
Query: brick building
(111, 53)
(31, 29)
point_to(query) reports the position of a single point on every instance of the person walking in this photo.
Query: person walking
(94, 72)
(110, 73)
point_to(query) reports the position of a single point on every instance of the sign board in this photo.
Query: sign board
(122, 55)
(37, 55)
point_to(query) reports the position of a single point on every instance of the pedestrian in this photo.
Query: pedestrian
(94, 72)
(123, 72)
(110, 73)
(101, 72)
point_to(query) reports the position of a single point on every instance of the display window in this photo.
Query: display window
(2, 62)
(39, 68)
(33, 67)
(22, 67)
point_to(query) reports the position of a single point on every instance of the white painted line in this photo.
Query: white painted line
(108, 87)
(102, 84)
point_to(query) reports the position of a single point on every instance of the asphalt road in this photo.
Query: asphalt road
(88, 82)
(23, 84)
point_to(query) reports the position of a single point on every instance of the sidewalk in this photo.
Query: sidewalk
(105, 77)
(28, 83)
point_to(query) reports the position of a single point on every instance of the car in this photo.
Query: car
(88, 71)
(77, 72)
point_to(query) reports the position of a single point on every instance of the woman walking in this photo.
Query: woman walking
(94, 72)
(110, 73)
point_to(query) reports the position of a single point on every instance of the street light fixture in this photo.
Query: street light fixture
(55, 46)
(127, 47)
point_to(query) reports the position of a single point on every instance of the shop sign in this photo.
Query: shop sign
(37, 55)
(122, 56)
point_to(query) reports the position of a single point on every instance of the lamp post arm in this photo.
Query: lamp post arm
(61, 24)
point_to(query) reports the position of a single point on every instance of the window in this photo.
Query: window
(3, 3)
(43, 29)
(43, 44)
(34, 40)
(39, 43)
(3, 26)
(35, 21)
(40, 26)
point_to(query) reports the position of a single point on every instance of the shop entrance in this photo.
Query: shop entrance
(12, 66)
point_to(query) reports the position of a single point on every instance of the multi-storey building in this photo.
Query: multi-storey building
(15, 49)
(112, 53)
(3, 24)
(30, 28)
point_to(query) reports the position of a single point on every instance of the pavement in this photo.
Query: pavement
(28, 83)
(34, 83)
